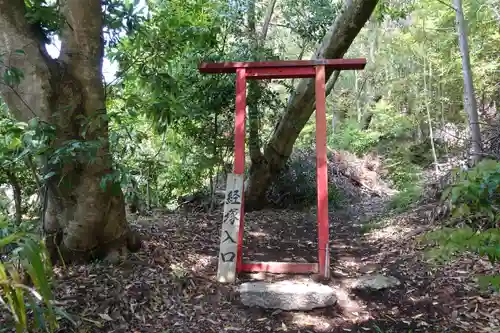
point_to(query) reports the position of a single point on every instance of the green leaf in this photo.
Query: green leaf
(65, 315)
(49, 175)
(15, 143)
(446, 193)
(36, 268)
(455, 194)
(13, 76)
(37, 312)
(33, 123)
(10, 239)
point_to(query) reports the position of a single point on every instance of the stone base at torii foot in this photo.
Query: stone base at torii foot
(287, 295)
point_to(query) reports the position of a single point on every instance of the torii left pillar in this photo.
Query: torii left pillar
(231, 243)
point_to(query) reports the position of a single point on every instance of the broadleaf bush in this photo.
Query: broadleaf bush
(451, 242)
(26, 297)
(474, 197)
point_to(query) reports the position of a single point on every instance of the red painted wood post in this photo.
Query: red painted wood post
(239, 151)
(322, 174)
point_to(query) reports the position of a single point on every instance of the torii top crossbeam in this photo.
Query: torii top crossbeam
(282, 69)
(230, 256)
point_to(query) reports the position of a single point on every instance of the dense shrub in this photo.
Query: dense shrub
(451, 242)
(353, 139)
(474, 197)
(296, 185)
(404, 199)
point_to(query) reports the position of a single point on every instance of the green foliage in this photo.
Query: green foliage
(354, 139)
(475, 197)
(335, 196)
(402, 173)
(390, 121)
(475, 194)
(119, 17)
(421, 153)
(386, 125)
(310, 19)
(393, 10)
(8, 227)
(14, 165)
(29, 306)
(192, 114)
(452, 242)
(43, 15)
(404, 199)
(12, 76)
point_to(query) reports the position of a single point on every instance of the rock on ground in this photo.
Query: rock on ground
(376, 282)
(286, 295)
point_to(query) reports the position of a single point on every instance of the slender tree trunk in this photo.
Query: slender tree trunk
(85, 209)
(269, 15)
(148, 190)
(470, 103)
(345, 28)
(213, 170)
(443, 123)
(428, 96)
(429, 119)
(358, 93)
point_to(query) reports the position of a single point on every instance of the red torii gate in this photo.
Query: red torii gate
(280, 70)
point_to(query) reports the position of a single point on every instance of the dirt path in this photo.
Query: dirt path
(170, 285)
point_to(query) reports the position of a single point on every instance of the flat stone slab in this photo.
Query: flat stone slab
(376, 282)
(286, 295)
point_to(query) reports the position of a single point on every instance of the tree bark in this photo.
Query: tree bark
(345, 28)
(366, 120)
(82, 219)
(269, 15)
(470, 103)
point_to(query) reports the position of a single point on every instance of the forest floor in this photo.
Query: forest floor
(169, 286)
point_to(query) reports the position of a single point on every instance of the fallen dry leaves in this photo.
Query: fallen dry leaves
(169, 286)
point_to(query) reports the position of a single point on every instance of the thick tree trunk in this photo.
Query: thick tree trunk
(345, 28)
(82, 218)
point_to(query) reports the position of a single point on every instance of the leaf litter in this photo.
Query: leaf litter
(170, 286)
